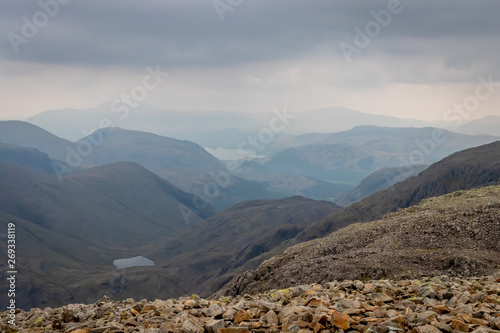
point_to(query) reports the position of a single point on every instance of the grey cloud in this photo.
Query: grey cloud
(190, 34)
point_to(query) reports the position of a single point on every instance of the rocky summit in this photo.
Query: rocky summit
(428, 305)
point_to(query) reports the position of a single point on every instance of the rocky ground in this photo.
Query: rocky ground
(428, 305)
(457, 234)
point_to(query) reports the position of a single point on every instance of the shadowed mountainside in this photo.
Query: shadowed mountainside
(378, 181)
(231, 239)
(467, 169)
(456, 234)
(183, 163)
(28, 158)
(23, 134)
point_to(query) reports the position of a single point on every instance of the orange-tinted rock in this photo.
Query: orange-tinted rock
(460, 325)
(339, 319)
(240, 316)
(234, 330)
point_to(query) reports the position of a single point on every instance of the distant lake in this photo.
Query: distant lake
(133, 262)
(232, 154)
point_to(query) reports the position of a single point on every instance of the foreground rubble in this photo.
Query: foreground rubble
(439, 304)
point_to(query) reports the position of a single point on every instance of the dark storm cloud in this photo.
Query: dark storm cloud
(189, 33)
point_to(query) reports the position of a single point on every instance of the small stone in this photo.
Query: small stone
(464, 298)
(339, 319)
(292, 328)
(148, 307)
(427, 315)
(229, 314)
(233, 330)
(316, 302)
(480, 322)
(442, 326)
(497, 322)
(368, 307)
(359, 285)
(496, 276)
(492, 299)
(441, 309)
(466, 318)
(240, 316)
(270, 319)
(213, 325)
(191, 325)
(479, 297)
(460, 325)
(427, 329)
(380, 298)
(426, 291)
(482, 330)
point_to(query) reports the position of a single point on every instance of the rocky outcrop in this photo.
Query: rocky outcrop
(439, 304)
(456, 234)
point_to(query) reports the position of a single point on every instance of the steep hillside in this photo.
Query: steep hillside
(20, 133)
(467, 169)
(71, 231)
(113, 204)
(457, 234)
(28, 158)
(378, 181)
(183, 163)
(214, 251)
(167, 157)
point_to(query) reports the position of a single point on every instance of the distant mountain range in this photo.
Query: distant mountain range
(352, 155)
(338, 119)
(487, 125)
(183, 163)
(467, 169)
(135, 193)
(216, 129)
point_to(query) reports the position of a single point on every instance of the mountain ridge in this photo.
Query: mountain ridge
(455, 234)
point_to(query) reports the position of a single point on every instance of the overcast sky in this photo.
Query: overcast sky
(250, 55)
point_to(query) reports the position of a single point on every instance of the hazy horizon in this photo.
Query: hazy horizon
(399, 58)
